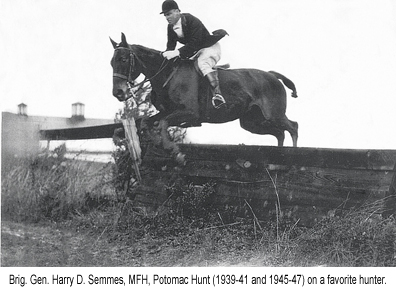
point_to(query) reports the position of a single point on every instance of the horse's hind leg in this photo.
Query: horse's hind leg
(254, 122)
(259, 127)
(280, 135)
(292, 128)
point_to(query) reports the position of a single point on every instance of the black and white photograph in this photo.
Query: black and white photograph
(218, 144)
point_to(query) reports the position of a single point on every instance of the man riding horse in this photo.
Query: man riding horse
(257, 98)
(198, 44)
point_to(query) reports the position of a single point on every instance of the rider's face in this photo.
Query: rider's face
(172, 16)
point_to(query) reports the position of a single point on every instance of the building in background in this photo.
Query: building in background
(20, 135)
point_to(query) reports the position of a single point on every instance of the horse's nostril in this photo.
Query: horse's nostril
(117, 92)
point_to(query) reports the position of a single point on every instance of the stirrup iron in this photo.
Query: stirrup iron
(216, 98)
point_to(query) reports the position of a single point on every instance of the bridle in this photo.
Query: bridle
(130, 82)
(131, 65)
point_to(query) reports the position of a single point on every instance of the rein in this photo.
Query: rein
(162, 67)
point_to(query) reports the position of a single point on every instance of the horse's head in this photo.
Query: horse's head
(126, 68)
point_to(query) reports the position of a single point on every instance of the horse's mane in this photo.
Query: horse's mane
(140, 48)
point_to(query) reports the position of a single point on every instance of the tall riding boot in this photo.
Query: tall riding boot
(217, 99)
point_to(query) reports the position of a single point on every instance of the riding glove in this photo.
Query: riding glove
(169, 55)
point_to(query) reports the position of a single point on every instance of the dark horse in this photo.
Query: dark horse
(183, 98)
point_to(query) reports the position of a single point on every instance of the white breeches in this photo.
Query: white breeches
(207, 58)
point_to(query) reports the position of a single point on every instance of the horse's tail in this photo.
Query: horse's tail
(287, 82)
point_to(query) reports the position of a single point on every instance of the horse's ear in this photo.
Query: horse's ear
(113, 43)
(123, 40)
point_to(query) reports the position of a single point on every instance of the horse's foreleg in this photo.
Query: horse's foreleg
(181, 117)
(169, 145)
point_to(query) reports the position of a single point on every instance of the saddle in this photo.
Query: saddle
(193, 66)
(222, 67)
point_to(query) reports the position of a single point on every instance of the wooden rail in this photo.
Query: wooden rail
(101, 131)
(90, 132)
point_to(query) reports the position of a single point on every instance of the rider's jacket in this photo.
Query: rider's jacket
(196, 36)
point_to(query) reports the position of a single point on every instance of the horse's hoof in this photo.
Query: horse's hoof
(181, 159)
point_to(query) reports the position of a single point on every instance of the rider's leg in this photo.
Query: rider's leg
(207, 58)
(213, 79)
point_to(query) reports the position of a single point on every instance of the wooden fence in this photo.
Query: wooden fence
(304, 183)
(308, 183)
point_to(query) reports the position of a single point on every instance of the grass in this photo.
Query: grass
(51, 188)
(58, 212)
(361, 237)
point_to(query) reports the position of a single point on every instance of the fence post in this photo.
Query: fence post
(390, 204)
(133, 144)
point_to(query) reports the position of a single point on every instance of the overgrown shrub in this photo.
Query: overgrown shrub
(188, 207)
(359, 238)
(123, 174)
(192, 201)
(50, 187)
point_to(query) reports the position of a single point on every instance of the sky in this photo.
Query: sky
(339, 53)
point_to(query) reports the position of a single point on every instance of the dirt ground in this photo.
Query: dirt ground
(24, 245)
